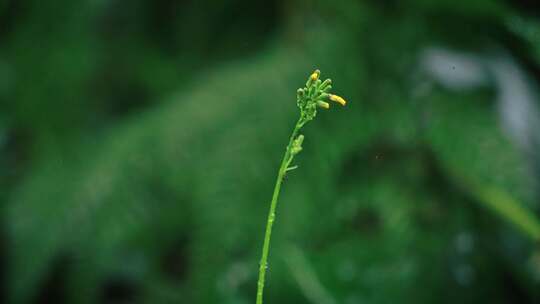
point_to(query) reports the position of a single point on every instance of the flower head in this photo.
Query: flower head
(338, 99)
(315, 75)
(315, 95)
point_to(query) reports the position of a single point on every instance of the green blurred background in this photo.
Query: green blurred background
(139, 142)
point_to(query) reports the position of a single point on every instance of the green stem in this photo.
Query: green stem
(287, 159)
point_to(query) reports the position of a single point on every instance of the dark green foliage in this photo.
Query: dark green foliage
(141, 149)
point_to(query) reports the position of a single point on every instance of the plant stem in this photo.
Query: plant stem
(287, 158)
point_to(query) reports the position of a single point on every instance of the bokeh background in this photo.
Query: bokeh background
(139, 142)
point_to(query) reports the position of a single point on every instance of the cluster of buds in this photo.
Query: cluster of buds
(315, 95)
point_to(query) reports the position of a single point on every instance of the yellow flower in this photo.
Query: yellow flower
(315, 75)
(338, 99)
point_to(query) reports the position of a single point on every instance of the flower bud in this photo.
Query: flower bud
(338, 99)
(300, 93)
(312, 78)
(324, 96)
(324, 84)
(315, 75)
(322, 104)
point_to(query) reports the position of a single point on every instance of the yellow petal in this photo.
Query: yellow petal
(315, 75)
(338, 99)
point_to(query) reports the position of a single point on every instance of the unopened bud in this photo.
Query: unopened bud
(322, 104)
